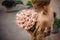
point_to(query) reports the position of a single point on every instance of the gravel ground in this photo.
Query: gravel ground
(10, 31)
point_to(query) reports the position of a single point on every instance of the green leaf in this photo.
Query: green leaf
(19, 2)
(29, 3)
(56, 22)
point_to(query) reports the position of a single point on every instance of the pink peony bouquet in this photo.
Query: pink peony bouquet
(26, 18)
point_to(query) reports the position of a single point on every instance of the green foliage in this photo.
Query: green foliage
(19, 2)
(56, 22)
(29, 3)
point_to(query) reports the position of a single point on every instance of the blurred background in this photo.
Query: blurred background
(8, 28)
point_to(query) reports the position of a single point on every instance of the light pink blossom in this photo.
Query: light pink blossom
(26, 18)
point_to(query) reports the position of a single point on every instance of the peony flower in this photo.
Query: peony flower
(26, 18)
